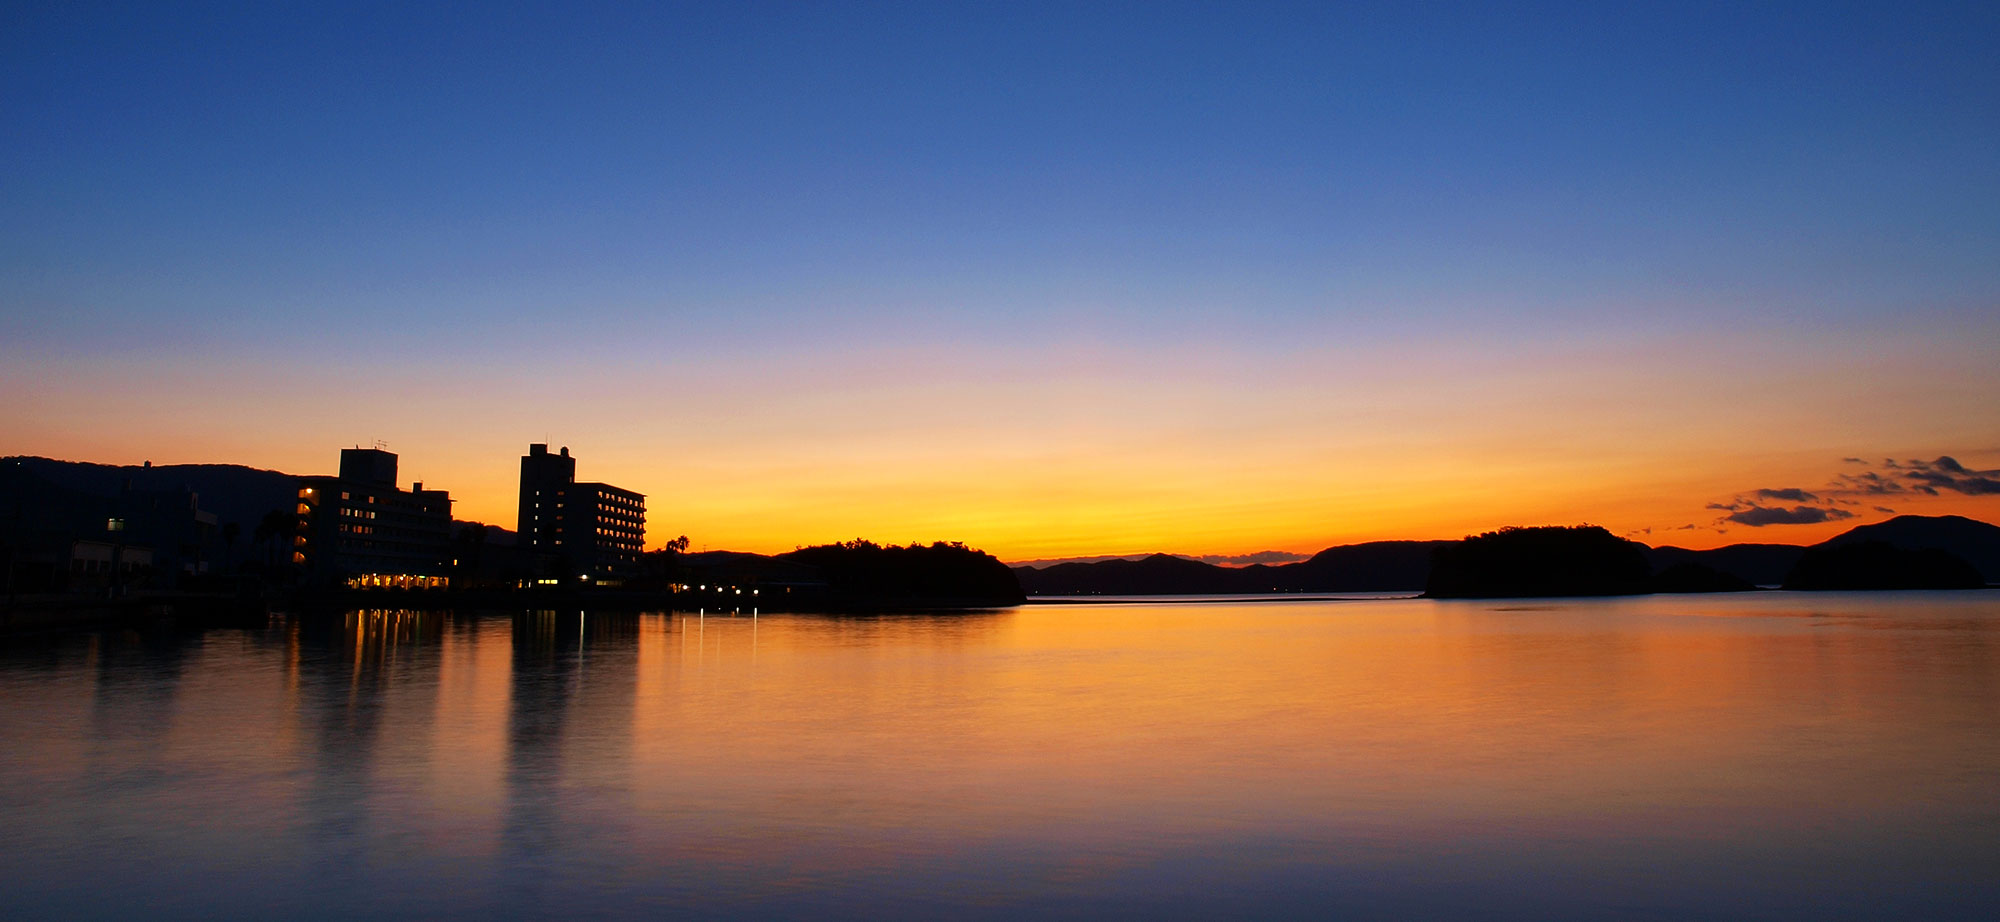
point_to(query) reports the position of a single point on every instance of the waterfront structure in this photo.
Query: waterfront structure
(57, 539)
(583, 531)
(359, 530)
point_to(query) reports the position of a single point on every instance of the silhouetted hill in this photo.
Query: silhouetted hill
(1758, 564)
(1160, 574)
(233, 492)
(1972, 541)
(1540, 561)
(730, 568)
(1694, 577)
(1380, 566)
(31, 503)
(1881, 565)
(1377, 566)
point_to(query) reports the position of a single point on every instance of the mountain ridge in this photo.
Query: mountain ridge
(1395, 566)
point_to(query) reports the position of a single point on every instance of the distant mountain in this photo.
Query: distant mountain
(1970, 540)
(1757, 564)
(1405, 566)
(1880, 565)
(1160, 574)
(31, 503)
(1694, 577)
(491, 535)
(1380, 566)
(233, 492)
(1377, 566)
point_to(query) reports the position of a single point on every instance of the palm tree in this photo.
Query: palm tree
(276, 524)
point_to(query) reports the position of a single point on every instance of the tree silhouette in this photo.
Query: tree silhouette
(230, 531)
(276, 524)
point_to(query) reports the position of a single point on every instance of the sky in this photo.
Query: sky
(1051, 279)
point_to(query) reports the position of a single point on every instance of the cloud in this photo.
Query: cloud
(1868, 482)
(1930, 478)
(1946, 473)
(1853, 490)
(1244, 560)
(1759, 516)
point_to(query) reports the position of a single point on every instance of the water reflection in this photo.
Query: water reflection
(1766, 756)
(568, 737)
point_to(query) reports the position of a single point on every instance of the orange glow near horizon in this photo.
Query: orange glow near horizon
(1095, 450)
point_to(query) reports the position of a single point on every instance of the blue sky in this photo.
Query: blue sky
(501, 185)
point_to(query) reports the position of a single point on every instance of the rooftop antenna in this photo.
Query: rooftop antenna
(381, 445)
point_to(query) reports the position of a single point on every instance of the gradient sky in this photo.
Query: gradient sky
(1049, 279)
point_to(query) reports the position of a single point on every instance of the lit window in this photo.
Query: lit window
(114, 524)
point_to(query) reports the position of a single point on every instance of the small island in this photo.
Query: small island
(1549, 560)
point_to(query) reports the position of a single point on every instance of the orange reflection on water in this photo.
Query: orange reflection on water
(1795, 750)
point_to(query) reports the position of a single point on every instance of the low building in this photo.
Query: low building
(360, 531)
(107, 565)
(585, 531)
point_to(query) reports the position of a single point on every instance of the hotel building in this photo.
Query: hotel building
(359, 530)
(582, 531)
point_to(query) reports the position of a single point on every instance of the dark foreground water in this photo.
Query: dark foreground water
(1766, 756)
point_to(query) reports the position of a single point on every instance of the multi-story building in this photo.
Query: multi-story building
(359, 530)
(579, 530)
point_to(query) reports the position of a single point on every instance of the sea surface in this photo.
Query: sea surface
(1756, 756)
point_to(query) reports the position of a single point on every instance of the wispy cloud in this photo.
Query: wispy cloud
(1931, 478)
(1889, 477)
(1760, 516)
(1946, 473)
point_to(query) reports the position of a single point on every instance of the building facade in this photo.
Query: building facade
(585, 531)
(358, 530)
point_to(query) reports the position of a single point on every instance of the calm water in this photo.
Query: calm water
(1767, 756)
